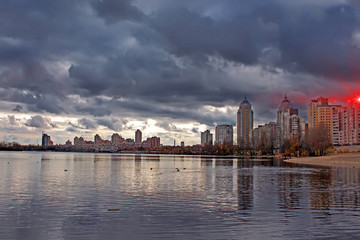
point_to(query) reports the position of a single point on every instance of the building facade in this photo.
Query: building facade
(138, 137)
(245, 121)
(46, 140)
(264, 136)
(335, 117)
(206, 138)
(224, 134)
(288, 123)
(153, 142)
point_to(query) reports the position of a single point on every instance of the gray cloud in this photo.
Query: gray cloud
(162, 60)
(113, 11)
(38, 121)
(18, 108)
(88, 123)
(111, 124)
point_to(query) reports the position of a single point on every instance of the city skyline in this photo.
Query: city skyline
(173, 69)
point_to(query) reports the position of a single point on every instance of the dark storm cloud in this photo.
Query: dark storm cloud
(170, 58)
(18, 108)
(113, 10)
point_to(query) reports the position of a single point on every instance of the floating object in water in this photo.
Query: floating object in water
(184, 168)
(150, 168)
(65, 170)
(177, 169)
(113, 209)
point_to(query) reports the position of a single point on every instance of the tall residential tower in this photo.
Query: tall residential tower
(245, 121)
(288, 123)
(206, 138)
(224, 134)
(138, 137)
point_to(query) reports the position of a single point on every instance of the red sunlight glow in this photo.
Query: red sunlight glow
(350, 96)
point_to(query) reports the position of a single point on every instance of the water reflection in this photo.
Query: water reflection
(55, 195)
(245, 191)
(289, 184)
(321, 192)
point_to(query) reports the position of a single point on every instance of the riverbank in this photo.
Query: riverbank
(334, 160)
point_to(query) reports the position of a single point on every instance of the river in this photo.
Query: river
(67, 196)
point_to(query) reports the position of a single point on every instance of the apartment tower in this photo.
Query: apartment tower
(224, 134)
(245, 121)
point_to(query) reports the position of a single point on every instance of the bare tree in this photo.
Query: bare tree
(317, 140)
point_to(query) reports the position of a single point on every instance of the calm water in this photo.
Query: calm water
(209, 198)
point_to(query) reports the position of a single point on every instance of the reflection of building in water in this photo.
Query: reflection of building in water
(289, 185)
(347, 197)
(321, 193)
(245, 191)
(245, 185)
(151, 157)
(137, 157)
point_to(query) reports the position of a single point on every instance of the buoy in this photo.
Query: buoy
(113, 209)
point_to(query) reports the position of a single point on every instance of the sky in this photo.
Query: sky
(169, 68)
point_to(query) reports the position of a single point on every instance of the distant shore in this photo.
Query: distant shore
(334, 160)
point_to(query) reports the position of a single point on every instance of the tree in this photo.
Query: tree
(317, 140)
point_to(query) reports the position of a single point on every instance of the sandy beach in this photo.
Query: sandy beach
(334, 160)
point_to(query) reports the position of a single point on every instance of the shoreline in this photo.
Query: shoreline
(333, 160)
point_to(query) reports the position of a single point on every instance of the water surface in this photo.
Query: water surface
(67, 196)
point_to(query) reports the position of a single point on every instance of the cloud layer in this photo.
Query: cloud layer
(107, 61)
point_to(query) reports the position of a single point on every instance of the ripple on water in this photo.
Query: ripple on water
(209, 198)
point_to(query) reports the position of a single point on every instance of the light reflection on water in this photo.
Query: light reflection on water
(66, 196)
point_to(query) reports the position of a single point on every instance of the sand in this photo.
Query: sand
(334, 160)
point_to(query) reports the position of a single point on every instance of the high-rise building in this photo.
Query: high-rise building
(138, 137)
(343, 123)
(97, 139)
(264, 134)
(289, 124)
(153, 142)
(206, 138)
(116, 139)
(319, 111)
(245, 121)
(46, 140)
(78, 141)
(224, 134)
